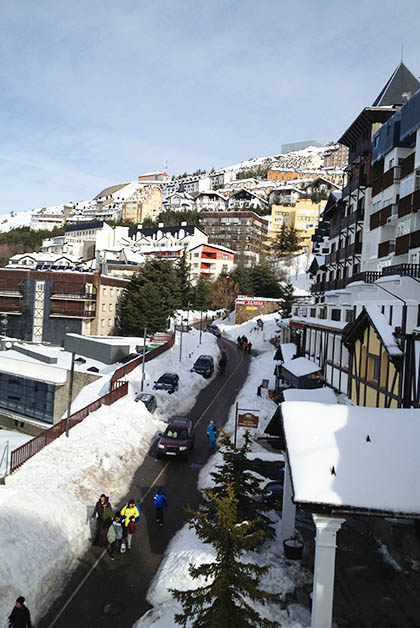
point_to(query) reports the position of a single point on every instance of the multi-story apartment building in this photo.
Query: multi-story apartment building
(363, 327)
(178, 202)
(245, 199)
(244, 232)
(208, 261)
(353, 244)
(140, 202)
(42, 306)
(210, 201)
(303, 216)
(393, 226)
(337, 156)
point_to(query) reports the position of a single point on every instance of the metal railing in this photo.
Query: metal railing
(24, 452)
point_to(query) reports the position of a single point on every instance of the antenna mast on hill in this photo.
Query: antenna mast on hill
(165, 165)
(402, 52)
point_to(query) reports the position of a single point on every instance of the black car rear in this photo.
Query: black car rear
(204, 366)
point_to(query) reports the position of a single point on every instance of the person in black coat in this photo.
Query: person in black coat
(103, 515)
(20, 616)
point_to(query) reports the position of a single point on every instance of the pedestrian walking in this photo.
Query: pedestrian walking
(114, 535)
(160, 502)
(246, 346)
(239, 342)
(222, 364)
(130, 510)
(249, 347)
(103, 515)
(211, 434)
(20, 616)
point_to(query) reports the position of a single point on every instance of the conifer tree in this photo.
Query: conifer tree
(200, 294)
(236, 469)
(288, 298)
(223, 601)
(185, 288)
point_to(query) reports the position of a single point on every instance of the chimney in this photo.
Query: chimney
(140, 225)
(161, 225)
(184, 223)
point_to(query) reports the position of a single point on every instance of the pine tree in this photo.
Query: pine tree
(185, 288)
(200, 294)
(236, 468)
(286, 241)
(293, 240)
(222, 602)
(288, 298)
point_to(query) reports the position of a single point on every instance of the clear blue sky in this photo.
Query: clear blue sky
(94, 92)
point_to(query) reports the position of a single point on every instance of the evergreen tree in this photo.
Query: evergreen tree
(288, 298)
(237, 469)
(293, 240)
(201, 294)
(280, 244)
(185, 288)
(223, 602)
(150, 298)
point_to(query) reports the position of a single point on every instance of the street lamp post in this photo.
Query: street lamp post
(70, 394)
(201, 325)
(180, 340)
(144, 357)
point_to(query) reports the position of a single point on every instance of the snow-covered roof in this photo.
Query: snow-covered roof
(351, 457)
(23, 368)
(384, 330)
(301, 367)
(320, 395)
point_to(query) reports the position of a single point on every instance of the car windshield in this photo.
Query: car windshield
(166, 379)
(202, 362)
(176, 433)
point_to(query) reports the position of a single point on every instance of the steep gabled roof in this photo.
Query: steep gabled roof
(401, 85)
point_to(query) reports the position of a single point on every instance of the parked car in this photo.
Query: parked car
(184, 327)
(167, 381)
(177, 440)
(213, 329)
(204, 366)
(148, 399)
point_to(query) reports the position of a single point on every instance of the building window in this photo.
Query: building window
(102, 322)
(335, 315)
(373, 368)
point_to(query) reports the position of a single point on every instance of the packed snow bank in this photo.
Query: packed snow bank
(45, 505)
(9, 440)
(283, 576)
(260, 338)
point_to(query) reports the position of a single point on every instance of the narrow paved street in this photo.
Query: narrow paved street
(112, 594)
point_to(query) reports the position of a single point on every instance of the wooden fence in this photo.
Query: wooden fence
(118, 389)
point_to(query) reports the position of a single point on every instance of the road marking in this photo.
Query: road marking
(98, 560)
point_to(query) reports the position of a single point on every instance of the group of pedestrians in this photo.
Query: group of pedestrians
(116, 531)
(244, 343)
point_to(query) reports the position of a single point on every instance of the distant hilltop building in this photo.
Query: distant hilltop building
(289, 148)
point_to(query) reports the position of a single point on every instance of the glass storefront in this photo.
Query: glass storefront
(27, 397)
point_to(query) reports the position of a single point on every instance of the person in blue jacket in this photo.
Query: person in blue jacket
(160, 502)
(211, 434)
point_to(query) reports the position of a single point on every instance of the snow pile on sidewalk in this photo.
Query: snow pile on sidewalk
(284, 576)
(45, 505)
(260, 338)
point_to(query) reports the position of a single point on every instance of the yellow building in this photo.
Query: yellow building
(376, 365)
(143, 202)
(303, 216)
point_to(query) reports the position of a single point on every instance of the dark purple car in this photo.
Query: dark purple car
(177, 440)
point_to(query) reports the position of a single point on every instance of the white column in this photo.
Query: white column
(288, 513)
(323, 592)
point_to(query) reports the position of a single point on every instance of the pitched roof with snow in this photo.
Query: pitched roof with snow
(351, 458)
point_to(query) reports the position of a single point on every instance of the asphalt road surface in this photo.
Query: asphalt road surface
(112, 594)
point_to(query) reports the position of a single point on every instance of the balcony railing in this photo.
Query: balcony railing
(80, 296)
(385, 248)
(405, 205)
(57, 313)
(407, 165)
(369, 277)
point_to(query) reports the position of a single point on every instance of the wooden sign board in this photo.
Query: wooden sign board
(248, 420)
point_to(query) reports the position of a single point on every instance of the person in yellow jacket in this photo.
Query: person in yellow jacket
(129, 510)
